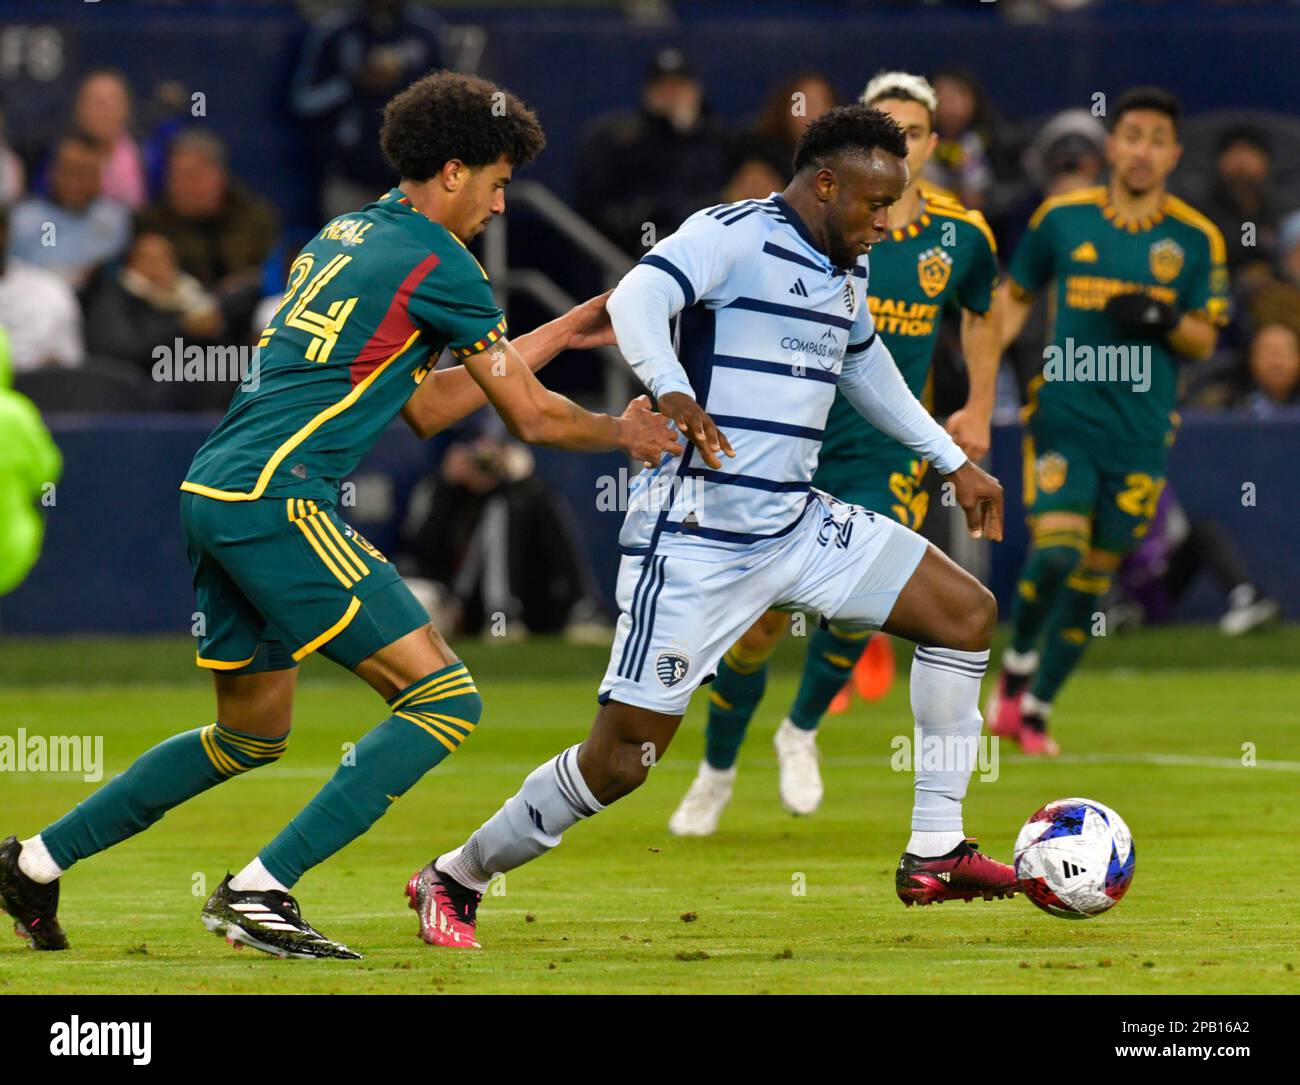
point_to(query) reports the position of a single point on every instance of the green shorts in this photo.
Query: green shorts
(889, 482)
(1117, 487)
(280, 578)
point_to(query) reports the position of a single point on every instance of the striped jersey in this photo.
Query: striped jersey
(371, 303)
(768, 327)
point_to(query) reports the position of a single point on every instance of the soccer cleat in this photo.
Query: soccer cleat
(1002, 713)
(1247, 611)
(270, 921)
(874, 671)
(963, 874)
(1034, 739)
(448, 910)
(842, 701)
(34, 906)
(800, 776)
(701, 807)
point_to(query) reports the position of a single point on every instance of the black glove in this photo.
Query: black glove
(1142, 315)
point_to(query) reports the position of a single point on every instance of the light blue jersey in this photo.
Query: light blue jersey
(763, 336)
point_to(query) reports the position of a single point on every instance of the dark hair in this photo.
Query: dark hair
(774, 119)
(1156, 99)
(848, 129)
(1243, 133)
(447, 115)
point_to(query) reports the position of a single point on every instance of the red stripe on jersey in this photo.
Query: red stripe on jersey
(396, 327)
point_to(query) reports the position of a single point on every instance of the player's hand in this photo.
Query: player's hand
(980, 496)
(1139, 314)
(589, 324)
(646, 434)
(972, 430)
(696, 426)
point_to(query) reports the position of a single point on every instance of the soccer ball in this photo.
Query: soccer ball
(1074, 858)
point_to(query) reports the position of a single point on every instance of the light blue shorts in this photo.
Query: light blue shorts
(685, 601)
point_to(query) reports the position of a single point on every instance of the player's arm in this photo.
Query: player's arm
(446, 396)
(872, 383)
(981, 347)
(535, 414)
(642, 308)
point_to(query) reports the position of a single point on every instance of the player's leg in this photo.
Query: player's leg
(678, 617)
(733, 697)
(1061, 485)
(834, 651)
(1126, 503)
(255, 679)
(912, 590)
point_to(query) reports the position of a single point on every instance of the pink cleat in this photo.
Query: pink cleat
(1034, 739)
(1002, 713)
(447, 909)
(962, 874)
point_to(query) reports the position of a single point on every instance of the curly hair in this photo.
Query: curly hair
(848, 129)
(448, 115)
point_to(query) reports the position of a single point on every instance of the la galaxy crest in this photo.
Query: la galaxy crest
(1051, 469)
(1166, 260)
(933, 270)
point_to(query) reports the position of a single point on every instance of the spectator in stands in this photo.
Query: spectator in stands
(148, 302)
(1242, 192)
(39, 311)
(352, 63)
(223, 233)
(12, 175)
(641, 174)
(765, 154)
(1274, 369)
(497, 547)
(75, 228)
(103, 114)
(963, 160)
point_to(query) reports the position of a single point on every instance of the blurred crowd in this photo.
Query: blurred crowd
(126, 229)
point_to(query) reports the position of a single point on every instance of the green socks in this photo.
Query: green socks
(166, 776)
(430, 719)
(1053, 559)
(733, 696)
(1068, 631)
(830, 661)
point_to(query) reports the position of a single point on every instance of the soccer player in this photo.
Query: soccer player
(935, 252)
(370, 305)
(1138, 283)
(734, 528)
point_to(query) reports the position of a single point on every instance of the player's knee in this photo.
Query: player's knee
(978, 619)
(445, 703)
(759, 641)
(235, 752)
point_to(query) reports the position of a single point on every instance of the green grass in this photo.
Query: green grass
(1153, 726)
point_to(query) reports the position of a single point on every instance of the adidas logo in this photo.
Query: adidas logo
(298, 470)
(1071, 870)
(799, 288)
(1085, 253)
(537, 817)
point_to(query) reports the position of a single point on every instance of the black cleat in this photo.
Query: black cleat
(270, 921)
(33, 905)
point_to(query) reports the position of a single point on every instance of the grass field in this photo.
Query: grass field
(1153, 726)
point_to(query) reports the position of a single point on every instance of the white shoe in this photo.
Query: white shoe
(801, 779)
(701, 807)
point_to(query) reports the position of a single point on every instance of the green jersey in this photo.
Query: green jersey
(370, 304)
(1096, 383)
(947, 255)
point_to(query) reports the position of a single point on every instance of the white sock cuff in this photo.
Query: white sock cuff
(35, 860)
(568, 777)
(1034, 707)
(256, 878)
(973, 664)
(1020, 664)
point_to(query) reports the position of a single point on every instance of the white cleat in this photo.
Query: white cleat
(801, 778)
(701, 807)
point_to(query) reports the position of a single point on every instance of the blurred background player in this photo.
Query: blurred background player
(936, 252)
(1139, 279)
